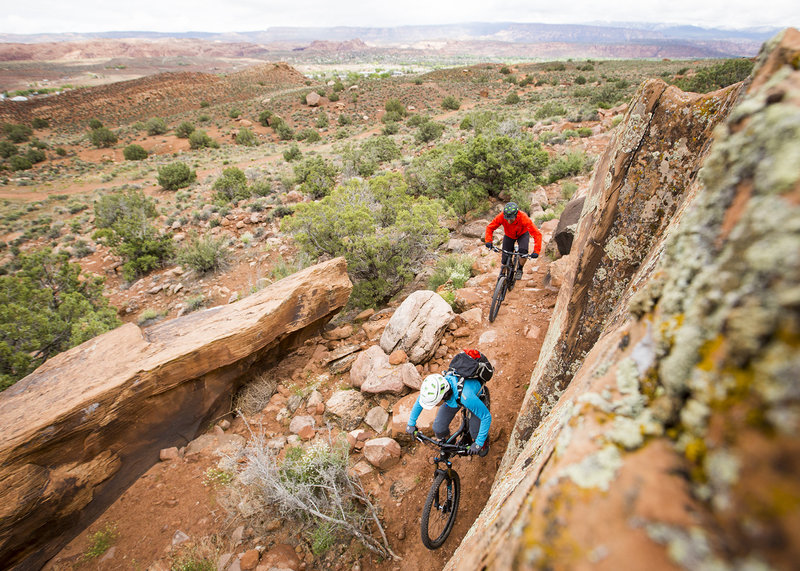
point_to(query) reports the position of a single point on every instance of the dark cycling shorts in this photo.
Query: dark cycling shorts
(508, 245)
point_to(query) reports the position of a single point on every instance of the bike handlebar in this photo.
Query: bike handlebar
(458, 449)
(532, 255)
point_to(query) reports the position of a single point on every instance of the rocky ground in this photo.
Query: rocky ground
(178, 507)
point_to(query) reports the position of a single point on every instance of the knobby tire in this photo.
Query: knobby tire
(439, 512)
(497, 298)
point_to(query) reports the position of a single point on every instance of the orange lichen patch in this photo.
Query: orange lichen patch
(787, 53)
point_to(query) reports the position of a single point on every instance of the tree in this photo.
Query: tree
(316, 176)
(47, 306)
(501, 163)
(123, 220)
(175, 175)
(384, 233)
(231, 186)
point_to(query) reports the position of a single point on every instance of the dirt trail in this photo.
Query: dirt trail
(172, 496)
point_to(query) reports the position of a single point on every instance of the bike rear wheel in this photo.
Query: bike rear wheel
(497, 297)
(441, 507)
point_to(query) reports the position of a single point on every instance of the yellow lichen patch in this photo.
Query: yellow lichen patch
(711, 354)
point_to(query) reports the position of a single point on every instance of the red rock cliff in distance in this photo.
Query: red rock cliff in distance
(83, 426)
(661, 428)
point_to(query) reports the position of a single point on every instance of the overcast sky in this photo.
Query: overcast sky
(26, 17)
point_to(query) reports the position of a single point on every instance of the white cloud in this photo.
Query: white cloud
(249, 15)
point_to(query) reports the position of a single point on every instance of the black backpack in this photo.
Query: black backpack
(466, 366)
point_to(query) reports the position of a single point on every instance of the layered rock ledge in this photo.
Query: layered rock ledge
(86, 424)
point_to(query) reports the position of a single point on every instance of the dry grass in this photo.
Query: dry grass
(255, 395)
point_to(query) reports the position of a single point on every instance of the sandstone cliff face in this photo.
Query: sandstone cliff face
(641, 182)
(72, 442)
(675, 443)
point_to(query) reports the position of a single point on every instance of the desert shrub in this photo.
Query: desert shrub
(175, 175)
(512, 98)
(40, 123)
(382, 231)
(8, 149)
(308, 135)
(568, 189)
(344, 120)
(607, 96)
(293, 153)
(281, 128)
(428, 131)
(333, 97)
(454, 268)
(100, 542)
(550, 109)
(184, 130)
(102, 137)
(451, 103)
(200, 139)
(204, 254)
(47, 305)
(569, 164)
(17, 133)
(717, 76)
(417, 120)
(390, 129)
(124, 223)
(155, 126)
(395, 106)
(505, 70)
(313, 486)
(316, 176)
(234, 113)
(246, 138)
(95, 124)
(19, 163)
(264, 117)
(231, 186)
(134, 153)
(584, 132)
(35, 155)
(322, 120)
(373, 152)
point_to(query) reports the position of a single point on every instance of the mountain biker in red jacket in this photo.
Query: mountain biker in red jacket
(518, 228)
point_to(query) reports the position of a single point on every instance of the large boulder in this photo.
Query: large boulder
(383, 453)
(349, 407)
(676, 439)
(418, 325)
(401, 412)
(86, 424)
(373, 373)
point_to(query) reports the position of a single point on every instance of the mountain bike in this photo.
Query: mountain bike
(506, 279)
(441, 505)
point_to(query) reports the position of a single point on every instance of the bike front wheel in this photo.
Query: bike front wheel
(441, 507)
(497, 297)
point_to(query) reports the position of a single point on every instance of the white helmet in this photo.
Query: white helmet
(432, 390)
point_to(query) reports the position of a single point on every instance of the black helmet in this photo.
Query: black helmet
(510, 211)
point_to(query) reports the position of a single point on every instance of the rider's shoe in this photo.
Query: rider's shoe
(518, 275)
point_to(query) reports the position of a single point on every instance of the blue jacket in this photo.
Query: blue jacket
(469, 398)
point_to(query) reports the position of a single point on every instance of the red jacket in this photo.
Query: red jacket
(515, 229)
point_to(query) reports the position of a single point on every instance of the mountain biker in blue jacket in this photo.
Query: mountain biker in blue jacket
(438, 388)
